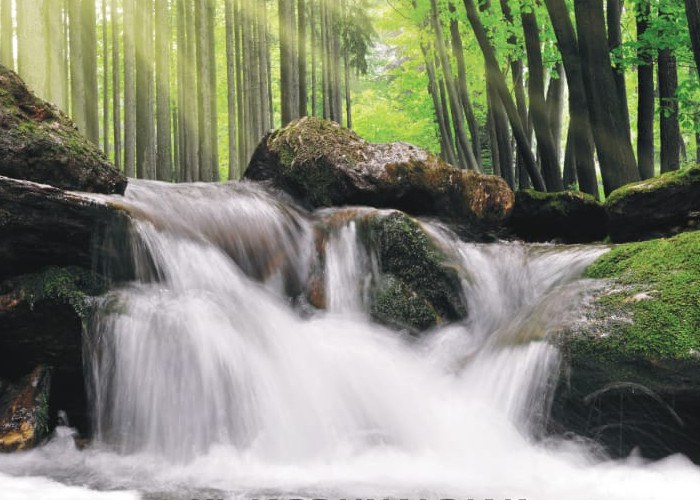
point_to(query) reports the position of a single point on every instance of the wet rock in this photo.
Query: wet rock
(569, 217)
(413, 287)
(24, 419)
(662, 206)
(41, 225)
(633, 374)
(322, 165)
(39, 143)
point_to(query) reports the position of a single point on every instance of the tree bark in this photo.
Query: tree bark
(555, 106)
(495, 74)
(617, 162)
(129, 89)
(692, 12)
(163, 119)
(645, 95)
(447, 150)
(303, 91)
(116, 84)
(7, 57)
(538, 107)
(669, 127)
(145, 119)
(231, 90)
(581, 132)
(290, 93)
(614, 14)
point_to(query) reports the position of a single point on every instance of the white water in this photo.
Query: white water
(208, 384)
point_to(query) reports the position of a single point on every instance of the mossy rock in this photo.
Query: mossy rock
(634, 365)
(322, 164)
(39, 143)
(568, 216)
(24, 411)
(41, 318)
(661, 206)
(414, 287)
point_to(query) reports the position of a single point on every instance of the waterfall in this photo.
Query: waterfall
(208, 375)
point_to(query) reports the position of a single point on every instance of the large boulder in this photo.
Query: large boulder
(412, 284)
(323, 165)
(661, 206)
(41, 144)
(568, 216)
(633, 375)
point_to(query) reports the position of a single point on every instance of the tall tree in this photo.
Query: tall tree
(692, 11)
(668, 110)
(580, 132)
(163, 117)
(618, 164)
(105, 81)
(614, 15)
(231, 90)
(32, 63)
(290, 93)
(116, 94)
(538, 106)
(83, 67)
(7, 57)
(129, 88)
(145, 119)
(303, 84)
(645, 94)
(495, 76)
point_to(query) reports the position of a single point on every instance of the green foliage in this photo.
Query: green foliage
(70, 285)
(657, 285)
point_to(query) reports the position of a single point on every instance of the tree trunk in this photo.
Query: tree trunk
(447, 150)
(105, 81)
(464, 150)
(314, 56)
(129, 89)
(116, 93)
(581, 132)
(555, 106)
(290, 93)
(692, 12)
(303, 91)
(495, 74)
(617, 162)
(192, 107)
(7, 57)
(614, 13)
(163, 120)
(57, 74)
(669, 127)
(463, 89)
(645, 96)
(232, 88)
(145, 130)
(538, 107)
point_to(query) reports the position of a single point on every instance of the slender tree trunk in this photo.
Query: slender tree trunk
(31, 45)
(7, 58)
(145, 119)
(191, 123)
(617, 163)
(446, 148)
(645, 96)
(692, 12)
(232, 88)
(463, 89)
(105, 81)
(669, 130)
(538, 106)
(57, 73)
(164, 170)
(570, 177)
(303, 91)
(444, 111)
(580, 127)
(493, 141)
(464, 149)
(290, 93)
(129, 89)
(614, 13)
(116, 84)
(314, 56)
(555, 106)
(496, 76)
(348, 97)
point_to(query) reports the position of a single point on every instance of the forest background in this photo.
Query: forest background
(554, 94)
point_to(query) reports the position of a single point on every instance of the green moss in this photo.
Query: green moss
(394, 303)
(677, 178)
(658, 290)
(72, 285)
(408, 254)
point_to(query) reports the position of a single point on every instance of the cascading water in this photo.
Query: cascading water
(208, 381)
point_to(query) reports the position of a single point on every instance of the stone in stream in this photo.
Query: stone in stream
(39, 143)
(322, 164)
(661, 206)
(413, 286)
(24, 410)
(632, 377)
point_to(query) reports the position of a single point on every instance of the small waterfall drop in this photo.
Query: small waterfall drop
(206, 377)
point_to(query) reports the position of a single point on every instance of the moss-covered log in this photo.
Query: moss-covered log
(39, 143)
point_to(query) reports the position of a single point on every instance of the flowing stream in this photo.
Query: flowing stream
(208, 381)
